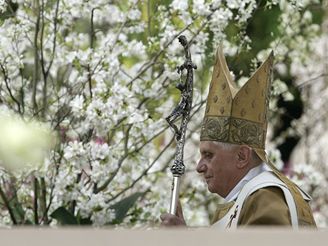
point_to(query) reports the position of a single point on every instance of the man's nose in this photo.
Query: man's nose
(201, 166)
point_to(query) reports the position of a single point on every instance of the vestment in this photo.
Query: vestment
(264, 199)
(239, 116)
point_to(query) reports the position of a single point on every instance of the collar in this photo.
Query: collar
(251, 174)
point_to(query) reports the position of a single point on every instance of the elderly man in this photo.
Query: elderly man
(233, 159)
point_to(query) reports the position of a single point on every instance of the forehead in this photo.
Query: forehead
(209, 146)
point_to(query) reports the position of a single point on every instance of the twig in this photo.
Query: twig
(90, 81)
(144, 172)
(92, 37)
(36, 58)
(55, 37)
(126, 154)
(43, 200)
(42, 61)
(6, 79)
(307, 82)
(45, 71)
(149, 18)
(73, 204)
(92, 31)
(53, 180)
(11, 212)
(120, 162)
(35, 201)
(115, 41)
(10, 8)
(154, 59)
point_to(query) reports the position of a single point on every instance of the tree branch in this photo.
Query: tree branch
(35, 201)
(45, 71)
(43, 65)
(126, 154)
(6, 79)
(149, 18)
(43, 201)
(36, 58)
(53, 180)
(92, 31)
(7, 204)
(120, 162)
(309, 81)
(92, 38)
(144, 173)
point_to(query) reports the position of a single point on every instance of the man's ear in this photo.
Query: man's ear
(244, 154)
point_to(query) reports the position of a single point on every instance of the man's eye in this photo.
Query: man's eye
(208, 155)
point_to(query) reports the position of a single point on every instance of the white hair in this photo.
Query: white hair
(229, 146)
(224, 145)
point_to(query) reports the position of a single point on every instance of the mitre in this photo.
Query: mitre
(237, 115)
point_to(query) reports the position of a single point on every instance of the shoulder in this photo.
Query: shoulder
(266, 206)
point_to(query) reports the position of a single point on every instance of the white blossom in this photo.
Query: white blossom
(200, 8)
(180, 5)
(77, 104)
(3, 6)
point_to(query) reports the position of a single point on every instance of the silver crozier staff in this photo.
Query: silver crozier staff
(181, 110)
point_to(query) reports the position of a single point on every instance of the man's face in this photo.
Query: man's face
(217, 164)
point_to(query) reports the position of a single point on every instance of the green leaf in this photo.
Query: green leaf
(83, 221)
(63, 216)
(122, 207)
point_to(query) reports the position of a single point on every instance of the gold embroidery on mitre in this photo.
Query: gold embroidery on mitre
(222, 110)
(238, 115)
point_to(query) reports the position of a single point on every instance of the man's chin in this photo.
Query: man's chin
(210, 188)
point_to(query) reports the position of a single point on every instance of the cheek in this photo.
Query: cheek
(218, 175)
(219, 171)
(216, 167)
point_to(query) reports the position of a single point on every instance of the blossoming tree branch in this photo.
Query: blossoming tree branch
(101, 74)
